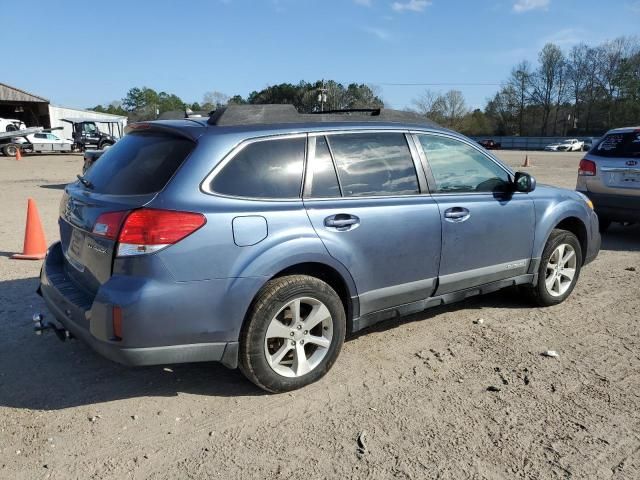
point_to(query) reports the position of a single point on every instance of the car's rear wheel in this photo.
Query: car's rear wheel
(559, 269)
(293, 334)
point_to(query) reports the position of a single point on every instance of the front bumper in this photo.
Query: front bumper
(90, 319)
(594, 241)
(617, 208)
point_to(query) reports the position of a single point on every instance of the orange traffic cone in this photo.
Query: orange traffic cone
(18, 154)
(35, 246)
(526, 163)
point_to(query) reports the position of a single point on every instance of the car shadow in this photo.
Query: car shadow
(622, 238)
(41, 372)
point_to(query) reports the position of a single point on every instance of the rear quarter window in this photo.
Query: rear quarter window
(139, 163)
(270, 168)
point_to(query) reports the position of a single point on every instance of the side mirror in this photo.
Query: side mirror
(523, 182)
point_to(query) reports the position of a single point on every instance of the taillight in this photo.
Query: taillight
(149, 230)
(108, 224)
(586, 168)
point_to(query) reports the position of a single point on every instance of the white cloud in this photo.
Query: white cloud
(364, 3)
(411, 6)
(526, 5)
(378, 32)
(567, 37)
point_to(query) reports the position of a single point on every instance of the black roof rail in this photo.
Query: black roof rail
(237, 115)
(372, 111)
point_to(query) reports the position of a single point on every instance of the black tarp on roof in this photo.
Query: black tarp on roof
(235, 115)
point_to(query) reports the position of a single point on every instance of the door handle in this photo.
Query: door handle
(342, 222)
(456, 214)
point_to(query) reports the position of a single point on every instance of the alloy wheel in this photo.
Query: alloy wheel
(561, 270)
(298, 337)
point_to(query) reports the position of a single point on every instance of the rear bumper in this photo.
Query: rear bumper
(618, 208)
(90, 319)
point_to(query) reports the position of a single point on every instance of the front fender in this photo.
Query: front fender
(551, 210)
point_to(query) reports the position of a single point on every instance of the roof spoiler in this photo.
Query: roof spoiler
(155, 126)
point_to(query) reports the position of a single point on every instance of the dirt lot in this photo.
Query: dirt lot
(417, 387)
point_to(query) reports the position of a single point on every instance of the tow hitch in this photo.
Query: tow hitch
(40, 325)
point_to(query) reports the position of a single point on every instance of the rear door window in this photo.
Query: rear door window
(264, 169)
(625, 145)
(139, 163)
(374, 164)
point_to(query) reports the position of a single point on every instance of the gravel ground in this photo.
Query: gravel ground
(416, 388)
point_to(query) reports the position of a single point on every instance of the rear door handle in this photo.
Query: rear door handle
(456, 214)
(341, 222)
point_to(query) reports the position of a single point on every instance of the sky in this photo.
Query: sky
(80, 54)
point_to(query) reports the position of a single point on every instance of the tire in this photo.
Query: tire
(105, 146)
(273, 363)
(10, 150)
(540, 293)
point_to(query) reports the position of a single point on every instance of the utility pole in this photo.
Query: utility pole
(322, 96)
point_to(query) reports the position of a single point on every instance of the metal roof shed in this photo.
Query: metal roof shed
(21, 105)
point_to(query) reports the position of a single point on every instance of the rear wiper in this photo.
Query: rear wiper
(85, 182)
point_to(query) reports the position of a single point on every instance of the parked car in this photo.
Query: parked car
(11, 125)
(43, 142)
(261, 237)
(571, 145)
(490, 144)
(609, 175)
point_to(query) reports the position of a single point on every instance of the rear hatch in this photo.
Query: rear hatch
(126, 177)
(617, 157)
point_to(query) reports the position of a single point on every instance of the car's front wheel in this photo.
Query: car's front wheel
(559, 269)
(293, 334)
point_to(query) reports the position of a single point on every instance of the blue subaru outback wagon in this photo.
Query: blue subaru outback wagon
(260, 237)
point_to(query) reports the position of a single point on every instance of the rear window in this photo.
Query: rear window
(626, 145)
(139, 163)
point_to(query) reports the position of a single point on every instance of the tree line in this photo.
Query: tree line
(582, 91)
